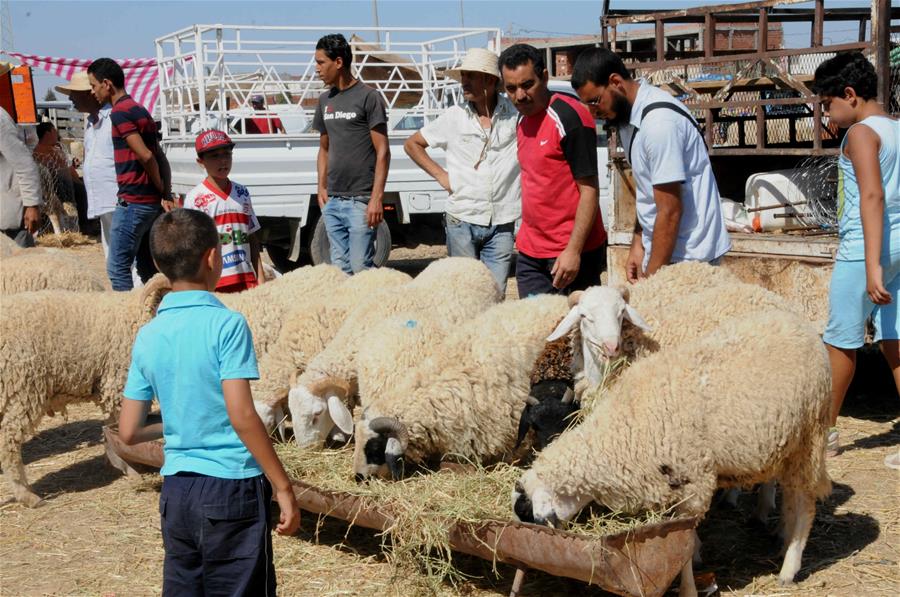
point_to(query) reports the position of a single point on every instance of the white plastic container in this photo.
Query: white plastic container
(778, 192)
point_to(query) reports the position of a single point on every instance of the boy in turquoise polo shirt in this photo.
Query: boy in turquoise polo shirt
(196, 357)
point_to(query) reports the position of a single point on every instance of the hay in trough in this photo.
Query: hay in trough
(63, 240)
(425, 507)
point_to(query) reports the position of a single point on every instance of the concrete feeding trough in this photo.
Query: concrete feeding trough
(640, 562)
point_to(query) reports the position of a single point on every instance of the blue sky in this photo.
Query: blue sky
(126, 29)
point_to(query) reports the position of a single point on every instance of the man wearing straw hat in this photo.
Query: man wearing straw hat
(99, 165)
(482, 174)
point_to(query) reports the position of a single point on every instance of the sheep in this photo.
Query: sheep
(456, 288)
(58, 347)
(660, 313)
(8, 246)
(748, 403)
(305, 333)
(266, 306)
(465, 399)
(35, 269)
(551, 403)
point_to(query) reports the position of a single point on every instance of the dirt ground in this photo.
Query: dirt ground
(98, 532)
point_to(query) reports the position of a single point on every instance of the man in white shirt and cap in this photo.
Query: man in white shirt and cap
(679, 212)
(482, 174)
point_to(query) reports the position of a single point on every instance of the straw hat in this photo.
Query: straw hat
(79, 82)
(476, 60)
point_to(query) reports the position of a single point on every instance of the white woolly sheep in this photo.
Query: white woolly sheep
(36, 269)
(550, 405)
(466, 399)
(266, 306)
(8, 246)
(598, 313)
(58, 347)
(455, 288)
(746, 404)
(304, 334)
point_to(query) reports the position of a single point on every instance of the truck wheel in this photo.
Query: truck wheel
(320, 249)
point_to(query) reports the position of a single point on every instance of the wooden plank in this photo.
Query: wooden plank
(674, 63)
(699, 11)
(709, 35)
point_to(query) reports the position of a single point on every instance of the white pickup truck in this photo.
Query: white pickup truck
(208, 73)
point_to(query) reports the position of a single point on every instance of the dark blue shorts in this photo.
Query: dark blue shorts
(216, 535)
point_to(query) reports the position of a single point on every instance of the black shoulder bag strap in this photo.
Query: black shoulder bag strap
(669, 106)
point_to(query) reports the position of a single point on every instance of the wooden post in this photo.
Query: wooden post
(763, 30)
(881, 33)
(818, 24)
(660, 40)
(517, 582)
(709, 35)
(817, 124)
(760, 127)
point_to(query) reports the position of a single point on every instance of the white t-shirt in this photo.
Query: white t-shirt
(491, 194)
(668, 149)
(100, 165)
(235, 221)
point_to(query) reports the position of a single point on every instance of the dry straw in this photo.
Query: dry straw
(426, 506)
(63, 239)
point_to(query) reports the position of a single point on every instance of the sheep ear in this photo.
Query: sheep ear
(393, 457)
(565, 326)
(340, 414)
(524, 426)
(634, 317)
(568, 396)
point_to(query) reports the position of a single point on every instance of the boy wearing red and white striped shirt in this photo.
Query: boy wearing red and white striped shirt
(228, 204)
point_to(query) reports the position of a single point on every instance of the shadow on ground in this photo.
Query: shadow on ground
(63, 439)
(84, 475)
(740, 552)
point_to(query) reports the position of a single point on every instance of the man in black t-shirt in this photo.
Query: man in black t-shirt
(354, 156)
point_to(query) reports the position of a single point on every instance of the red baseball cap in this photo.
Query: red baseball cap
(212, 139)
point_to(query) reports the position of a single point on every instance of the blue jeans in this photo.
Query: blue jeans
(128, 238)
(493, 245)
(351, 241)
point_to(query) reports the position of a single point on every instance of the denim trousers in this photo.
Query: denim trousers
(351, 241)
(216, 536)
(128, 239)
(493, 245)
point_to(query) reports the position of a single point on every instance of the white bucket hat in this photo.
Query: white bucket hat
(79, 82)
(476, 60)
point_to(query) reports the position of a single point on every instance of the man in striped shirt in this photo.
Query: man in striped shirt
(142, 174)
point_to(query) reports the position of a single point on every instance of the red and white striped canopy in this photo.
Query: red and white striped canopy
(140, 73)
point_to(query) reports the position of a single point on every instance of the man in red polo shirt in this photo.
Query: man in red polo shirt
(561, 242)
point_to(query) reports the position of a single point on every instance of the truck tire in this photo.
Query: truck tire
(320, 249)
